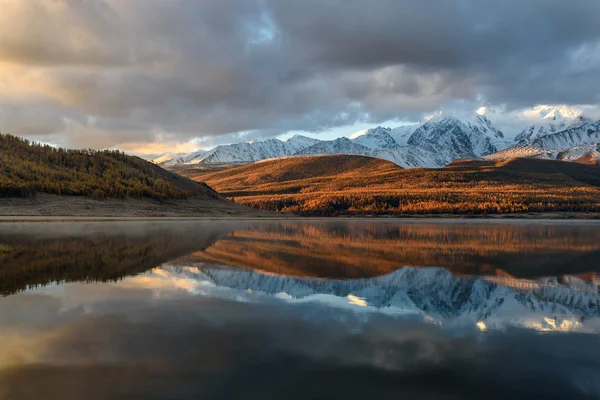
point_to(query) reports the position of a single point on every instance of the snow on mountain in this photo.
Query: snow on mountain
(412, 157)
(452, 138)
(522, 151)
(401, 134)
(253, 151)
(377, 138)
(528, 124)
(475, 121)
(433, 144)
(298, 142)
(539, 131)
(588, 133)
(358, 133)
(170, 159)
(433, 293)
(542, 131)
(341, 145)
(568, 145)
(404, 156)
(589, 152)
(193, 158)
(485, 126)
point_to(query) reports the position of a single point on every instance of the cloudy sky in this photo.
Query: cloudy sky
(149, 76)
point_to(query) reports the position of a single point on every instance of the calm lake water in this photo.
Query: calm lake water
(300, 310)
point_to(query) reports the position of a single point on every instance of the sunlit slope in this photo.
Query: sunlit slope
(29, 168)
(300, 174)
(355, 185)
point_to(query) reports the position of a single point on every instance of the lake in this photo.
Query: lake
(352, 309)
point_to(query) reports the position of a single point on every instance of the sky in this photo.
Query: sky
(151, 76)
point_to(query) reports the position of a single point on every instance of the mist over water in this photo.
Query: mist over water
(299, 310)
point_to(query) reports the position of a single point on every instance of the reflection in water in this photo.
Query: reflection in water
(125, 342)
(335, 309)
(55, 252)
(432, 295)
(355, 250)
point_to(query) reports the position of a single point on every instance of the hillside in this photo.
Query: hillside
(357, 185)
(39, 179)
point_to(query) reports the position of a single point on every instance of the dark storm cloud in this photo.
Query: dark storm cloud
(129, 72)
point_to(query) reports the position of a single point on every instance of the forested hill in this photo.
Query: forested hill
(357, 185)
(27, 168)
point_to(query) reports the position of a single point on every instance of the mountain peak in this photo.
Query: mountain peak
(297, 137)
(376, 138)
(455, 138)
(557, 112)
(378, 129)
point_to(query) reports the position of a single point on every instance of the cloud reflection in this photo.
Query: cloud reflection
(201, 347)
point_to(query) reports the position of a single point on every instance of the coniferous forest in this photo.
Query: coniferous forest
(356, 185)
(28, 168)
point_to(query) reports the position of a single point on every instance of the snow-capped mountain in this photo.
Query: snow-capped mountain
(441, 143)
(412, 157)
(588, 153)
(452, 138)
(244, 152)
(341, 145)
(377, 138)
(474, 121)
(401, 134)
(522, 126)
(588, 133)
(542, 132)
(256, 151)
(539, 131)
(433, 293)
(568, 145)
(194, 157)
(170, 159)
(522, 151)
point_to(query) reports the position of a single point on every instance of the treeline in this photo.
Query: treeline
(27, 168)
(467, 187)
(415, 203)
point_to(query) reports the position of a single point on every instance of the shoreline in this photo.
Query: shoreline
(448, 218)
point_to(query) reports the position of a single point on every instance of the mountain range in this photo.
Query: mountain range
(552, 132)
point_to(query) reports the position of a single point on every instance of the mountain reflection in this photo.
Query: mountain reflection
(299, 309)
(38, 254)
(357, 250)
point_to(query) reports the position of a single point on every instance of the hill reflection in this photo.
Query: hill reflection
(39, 254)
(345, 250)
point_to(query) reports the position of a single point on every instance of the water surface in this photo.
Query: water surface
(299, 309)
